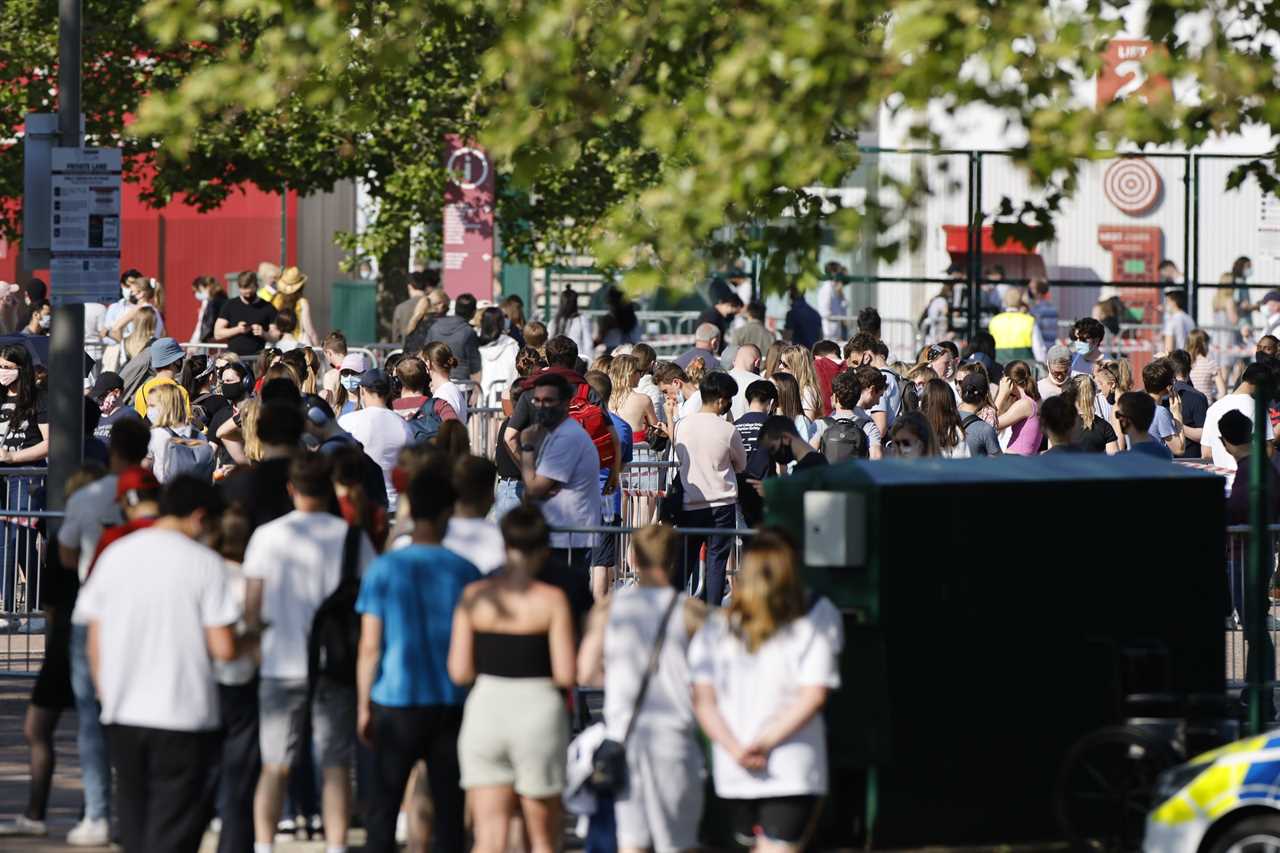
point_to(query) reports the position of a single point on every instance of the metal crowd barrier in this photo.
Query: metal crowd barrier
(482, 429)
(23, 560)
(691, 568)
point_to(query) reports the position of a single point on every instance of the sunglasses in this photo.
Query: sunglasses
(936, 351)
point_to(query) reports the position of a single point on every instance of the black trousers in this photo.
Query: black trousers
(402, 736)
(718, 550)
(239, 765)
(164, 787)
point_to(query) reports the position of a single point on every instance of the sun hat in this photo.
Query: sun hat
(290, 281)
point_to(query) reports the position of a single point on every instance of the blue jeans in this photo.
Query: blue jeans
(91, 738)
(507, 495)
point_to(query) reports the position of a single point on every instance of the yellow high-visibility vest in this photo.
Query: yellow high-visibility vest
(1012, 330)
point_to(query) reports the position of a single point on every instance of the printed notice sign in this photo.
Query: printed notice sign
(85, 225)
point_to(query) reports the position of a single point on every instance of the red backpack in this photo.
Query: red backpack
(595, 421)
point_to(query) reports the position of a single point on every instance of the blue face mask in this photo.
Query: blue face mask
(1079, 347)
(351, 383)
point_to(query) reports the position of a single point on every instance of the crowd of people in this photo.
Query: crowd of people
(287, 593)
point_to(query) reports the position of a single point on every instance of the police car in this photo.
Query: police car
(1224, 801)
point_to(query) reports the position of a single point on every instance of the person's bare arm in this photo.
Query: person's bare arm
(881, 420)
(561, 637)
(712, 722)
(35, 453)
(370, 654)
(615, 470)
(1017, 413)
(535, 485)
(70, 557)
(591, 652)
(462, 661)
(221, 641)
(224, 331)
(808, 701)
(253, 601)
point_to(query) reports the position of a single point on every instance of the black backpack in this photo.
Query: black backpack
(334, 642)
(845, 438)
(969, 421)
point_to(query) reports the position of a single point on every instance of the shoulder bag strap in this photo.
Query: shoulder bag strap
(350, 552)
(653, 665)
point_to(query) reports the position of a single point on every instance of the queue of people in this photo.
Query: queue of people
(373, 622)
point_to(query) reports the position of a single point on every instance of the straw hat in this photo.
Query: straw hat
(290, 281)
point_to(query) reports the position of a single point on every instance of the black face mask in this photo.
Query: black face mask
(549, 416)
(233, 391)
(133, 299)
(1265, 359)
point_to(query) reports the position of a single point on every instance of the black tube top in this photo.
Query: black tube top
(513, 655)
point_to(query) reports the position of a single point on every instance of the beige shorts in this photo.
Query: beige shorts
(514, 732)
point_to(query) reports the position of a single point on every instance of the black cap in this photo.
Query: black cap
(375, 380)
(107, 382)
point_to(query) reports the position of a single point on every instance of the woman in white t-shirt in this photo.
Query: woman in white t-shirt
(761, 671)
(440, 360)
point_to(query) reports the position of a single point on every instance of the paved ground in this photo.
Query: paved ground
(65, 800)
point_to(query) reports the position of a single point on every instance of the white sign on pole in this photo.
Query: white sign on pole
(85, 225)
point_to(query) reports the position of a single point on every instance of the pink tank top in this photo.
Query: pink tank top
(1027, 437)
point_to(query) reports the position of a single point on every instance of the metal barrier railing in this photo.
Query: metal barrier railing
(1237, 560)
(482, 429)
(23, 549)
(692, 563)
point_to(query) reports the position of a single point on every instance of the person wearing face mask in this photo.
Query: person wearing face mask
(108, 394)
(560, 469)
(244, 323)
(211, 296)
(41, 318)
(863, 349)
(1059, 362)
(116, 309)
(710, 454)
(346, 397)
(380, 430)
(1269, 307)
(1086, 344)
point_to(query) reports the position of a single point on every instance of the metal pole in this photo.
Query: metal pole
(66, 345)
(1194, 267)
(975, 256)
(1187, 278)
(1258, 575)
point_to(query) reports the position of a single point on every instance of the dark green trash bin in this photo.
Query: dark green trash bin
(354, 310)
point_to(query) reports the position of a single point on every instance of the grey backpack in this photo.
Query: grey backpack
(192, 456)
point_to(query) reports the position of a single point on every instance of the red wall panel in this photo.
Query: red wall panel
(177, 243)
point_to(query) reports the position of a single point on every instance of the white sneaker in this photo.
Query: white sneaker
(90, 833)
(402, 828)
(23, 825)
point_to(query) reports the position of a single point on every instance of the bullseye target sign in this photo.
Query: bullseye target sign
(1133, 185)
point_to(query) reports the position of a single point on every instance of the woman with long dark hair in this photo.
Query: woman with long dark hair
(575, 326)
(939, 409)
(24, 443)
(497, 356)
(211, 294)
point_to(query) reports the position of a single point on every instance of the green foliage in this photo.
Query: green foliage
(661, 135)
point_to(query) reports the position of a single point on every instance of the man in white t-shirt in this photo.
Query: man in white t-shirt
(746, 369)
(159, 610)
(561, 469)
(382, 432)
(1241, 400)
(471, 535)
(291, 566)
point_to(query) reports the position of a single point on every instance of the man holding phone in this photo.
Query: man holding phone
(244, 324)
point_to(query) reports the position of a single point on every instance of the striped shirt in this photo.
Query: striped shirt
(1203, 372)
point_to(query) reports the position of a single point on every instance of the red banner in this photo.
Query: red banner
(468, 220)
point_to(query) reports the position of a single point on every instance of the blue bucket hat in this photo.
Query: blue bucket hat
(164, 352)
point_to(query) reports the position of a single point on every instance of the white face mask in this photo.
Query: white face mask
(202, 296)
(45, 321)
(153, 415)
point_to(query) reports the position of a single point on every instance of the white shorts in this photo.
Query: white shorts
(662, 807)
